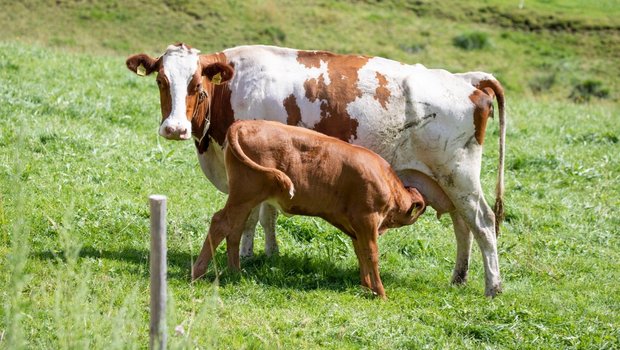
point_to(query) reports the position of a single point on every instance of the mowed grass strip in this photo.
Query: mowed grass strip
(79, 155)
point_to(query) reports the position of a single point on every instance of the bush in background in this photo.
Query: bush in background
(584, 91)
(472, 41)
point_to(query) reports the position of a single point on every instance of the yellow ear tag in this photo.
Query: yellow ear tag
(217, 79)
(141, 71)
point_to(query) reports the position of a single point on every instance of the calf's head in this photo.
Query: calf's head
(410, 206)
(186, 81)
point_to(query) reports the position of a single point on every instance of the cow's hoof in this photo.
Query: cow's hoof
(459, 279)
(493, 291)
(272, 252)
(246, 254)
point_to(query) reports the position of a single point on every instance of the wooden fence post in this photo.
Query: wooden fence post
(158, 272)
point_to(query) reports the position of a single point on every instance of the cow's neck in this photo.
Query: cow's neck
(220, 113)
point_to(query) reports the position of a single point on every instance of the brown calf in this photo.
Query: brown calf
(307, 173)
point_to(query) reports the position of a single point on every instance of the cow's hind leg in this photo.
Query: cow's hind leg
(268, 217)
(249, 230)
(477, 214)
(463, 248)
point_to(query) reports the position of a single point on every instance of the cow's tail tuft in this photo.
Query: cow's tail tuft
(277, 176)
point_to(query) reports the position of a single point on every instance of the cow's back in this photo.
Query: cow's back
(369, 101)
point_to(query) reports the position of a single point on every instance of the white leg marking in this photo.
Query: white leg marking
(268, 218)
(247, 240)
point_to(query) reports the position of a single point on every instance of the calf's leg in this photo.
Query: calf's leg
(363, 264)
(247, 242)
(217, 232)
(373, 255)
(227, 223)
(367, 250)
(268, 217)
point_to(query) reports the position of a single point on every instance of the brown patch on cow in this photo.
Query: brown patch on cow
(181, 44)
(312, 59)
(292, 110)
(165, 97)
(483, 106)
(335, 97)
(382, 93)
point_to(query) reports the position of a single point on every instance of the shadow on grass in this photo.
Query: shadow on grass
(282, 271)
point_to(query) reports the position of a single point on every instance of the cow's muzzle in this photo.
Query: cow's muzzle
(176, 129)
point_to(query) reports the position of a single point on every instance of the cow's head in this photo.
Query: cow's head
(186, 82)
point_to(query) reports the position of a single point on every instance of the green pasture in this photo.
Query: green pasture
(79, 154)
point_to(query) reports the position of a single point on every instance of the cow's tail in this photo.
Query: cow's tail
(497, 88)
(279, 177)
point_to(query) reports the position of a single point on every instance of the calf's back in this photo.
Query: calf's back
(307, 173)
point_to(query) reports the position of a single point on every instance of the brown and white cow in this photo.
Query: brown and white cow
(303, 172)
(429, 124)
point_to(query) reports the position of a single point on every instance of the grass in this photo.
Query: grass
(574, 40)
(79, 155)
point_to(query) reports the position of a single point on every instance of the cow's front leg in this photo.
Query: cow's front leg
(463, 248)
(247, 240)
(268, 219)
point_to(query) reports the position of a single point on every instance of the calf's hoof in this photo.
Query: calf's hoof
(198, 270)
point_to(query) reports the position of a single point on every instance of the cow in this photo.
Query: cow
(429, 124)
(303, 172)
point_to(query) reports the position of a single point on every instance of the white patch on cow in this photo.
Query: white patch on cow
(212, 165)
(271, 75)
(180, 64)
(379, 128)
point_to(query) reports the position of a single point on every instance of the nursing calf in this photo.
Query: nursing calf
(304, 172)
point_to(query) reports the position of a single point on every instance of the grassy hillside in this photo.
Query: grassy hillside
(79, 154)
(543, 49)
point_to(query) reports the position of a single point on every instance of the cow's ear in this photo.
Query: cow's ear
(142, 64)
(218, 73)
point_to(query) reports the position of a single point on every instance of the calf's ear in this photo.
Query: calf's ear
(142, 64)
(218, 73)
(418, 205)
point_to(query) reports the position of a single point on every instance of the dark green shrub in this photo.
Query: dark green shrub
(472, 41)
(584, 91)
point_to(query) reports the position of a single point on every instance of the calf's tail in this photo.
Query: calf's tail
(279, 177)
